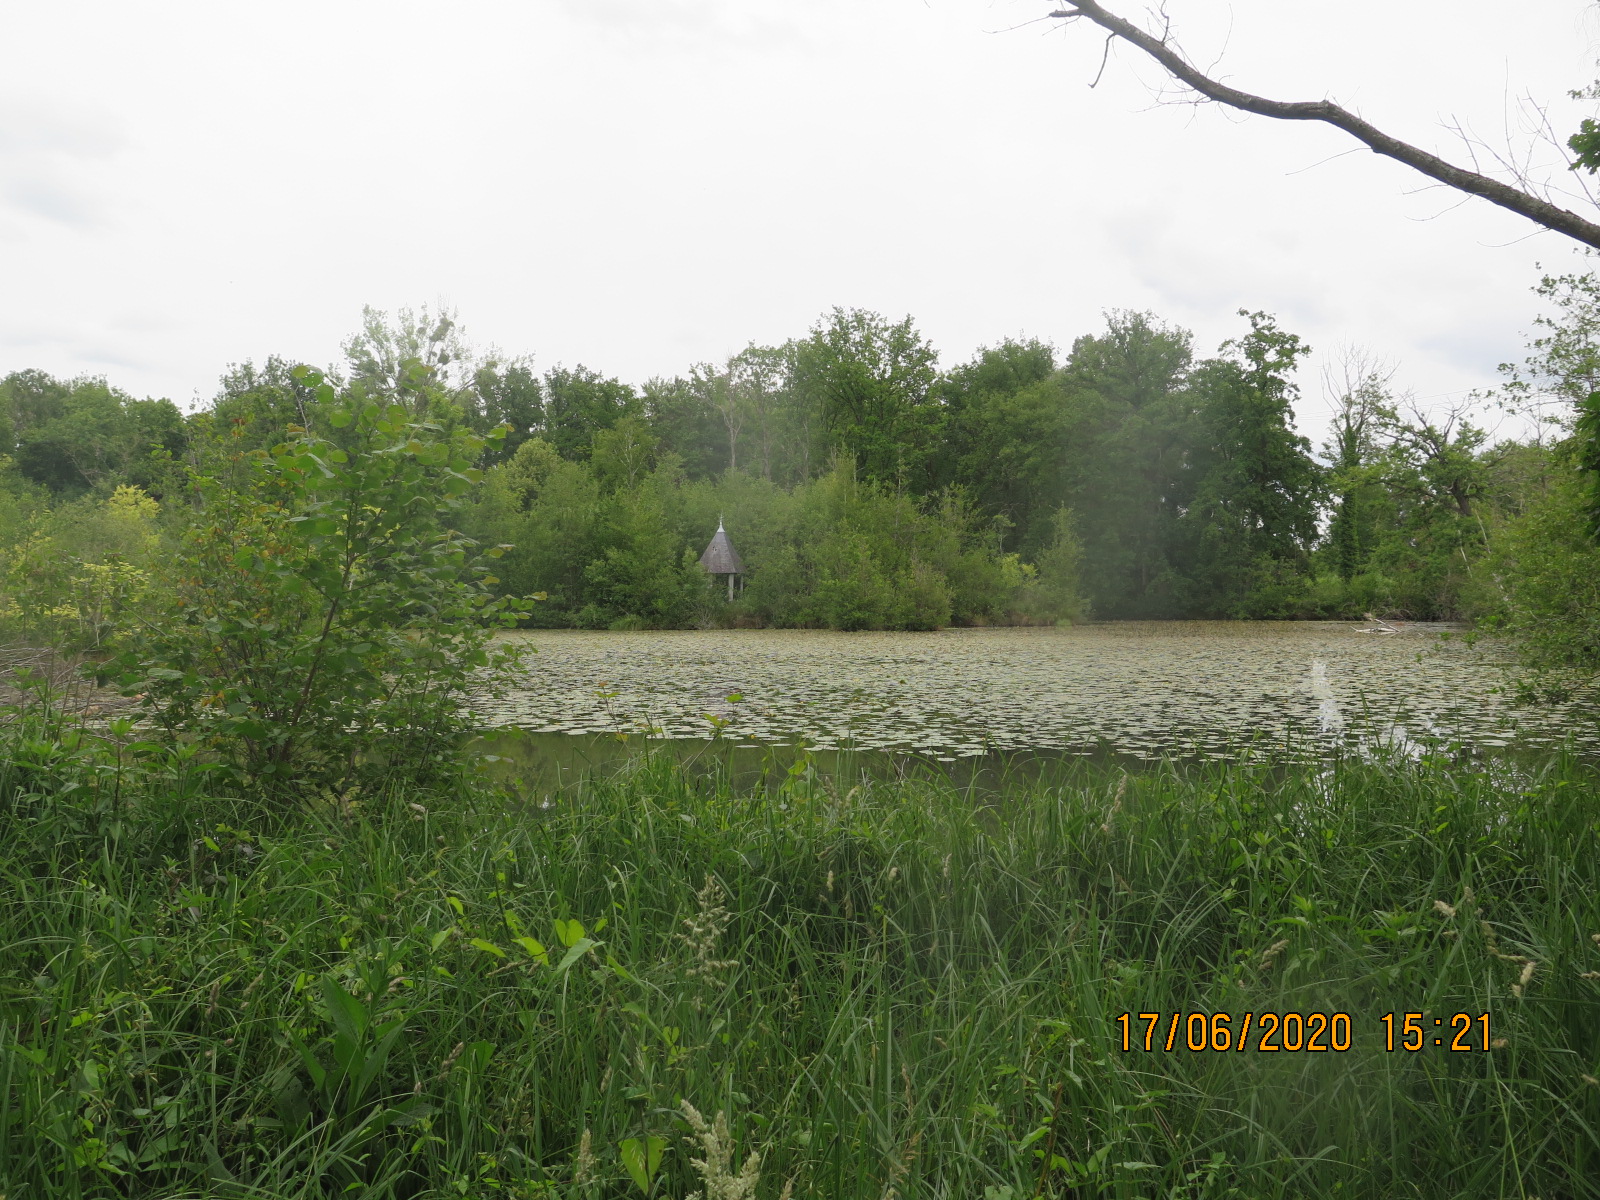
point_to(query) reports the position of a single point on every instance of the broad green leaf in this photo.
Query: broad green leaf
(349, 1015)
(579, 948)
(534, 948)
(642, 1157)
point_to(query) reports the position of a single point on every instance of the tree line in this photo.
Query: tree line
(866, 487)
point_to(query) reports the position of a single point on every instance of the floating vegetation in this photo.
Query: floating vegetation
(1195, 688)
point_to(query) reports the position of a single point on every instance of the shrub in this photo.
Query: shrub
(323, 603)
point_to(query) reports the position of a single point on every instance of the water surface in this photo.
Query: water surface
(1145, 689)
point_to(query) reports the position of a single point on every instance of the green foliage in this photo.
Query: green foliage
(1551, 573)
(579, 404)
(1249, 528)
(506, 396)
(1191, 494)
(1130, 433)
(1546, 561)
(686, 425)
(615, 543)
(74, 437)
(877, 986)
(418, 360)
(325, 603)
(641, 574)
(1585, 144)
(253, 409)
(871, 382)
(1009, 435)
(73, 578)
(853, 562)
(1586, 451)
(1053, 593)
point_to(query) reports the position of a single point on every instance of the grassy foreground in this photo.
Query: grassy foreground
(891, 990)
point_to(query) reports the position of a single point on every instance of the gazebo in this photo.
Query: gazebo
(721, 558)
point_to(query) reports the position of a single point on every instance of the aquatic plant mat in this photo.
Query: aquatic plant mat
(1146, 689)
(889, 990)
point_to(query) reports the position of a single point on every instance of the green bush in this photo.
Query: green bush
(1549, 568)
(323, 605)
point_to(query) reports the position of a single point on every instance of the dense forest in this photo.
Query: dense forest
(866, 487)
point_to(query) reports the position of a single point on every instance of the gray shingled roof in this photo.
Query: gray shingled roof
(720, 557)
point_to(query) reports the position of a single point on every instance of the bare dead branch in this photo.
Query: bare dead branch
(1540, 211)
(1105, 57)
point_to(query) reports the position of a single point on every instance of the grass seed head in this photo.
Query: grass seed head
(703, 932)
(1522, 980)
(450, 1059)
(715, 1169)
(583, 1167)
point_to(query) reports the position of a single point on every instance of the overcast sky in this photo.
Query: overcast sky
(639, 185)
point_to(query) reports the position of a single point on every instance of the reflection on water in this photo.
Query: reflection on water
(1192, 689)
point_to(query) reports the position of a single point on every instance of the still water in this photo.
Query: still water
(1191, 689)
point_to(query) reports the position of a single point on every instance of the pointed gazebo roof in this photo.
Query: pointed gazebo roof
(720, 557)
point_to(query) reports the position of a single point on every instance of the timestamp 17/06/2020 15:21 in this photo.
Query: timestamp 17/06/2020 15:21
(1308, 1032)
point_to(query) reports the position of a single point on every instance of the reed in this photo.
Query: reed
(872, 990)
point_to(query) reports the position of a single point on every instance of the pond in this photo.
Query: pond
(1146, 690)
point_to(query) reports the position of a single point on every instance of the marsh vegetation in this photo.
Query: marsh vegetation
(272, 925)
(895, 987)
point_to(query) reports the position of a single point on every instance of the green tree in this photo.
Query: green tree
(1518, 197)
(1551, 572)
(714, 391)
(760, 382)
(1249, 529)
(548, 511)
(686, 425)
(871, 382)
(1559, 382)
(624, 454)
(255, 407)
(419, 359)
(1008, 428)
(86, 435)
(507, 394)
(642, 575)
(1352, 453)
(1129, 440)
(578, 403)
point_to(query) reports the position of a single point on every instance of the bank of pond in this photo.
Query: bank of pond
(1199, 979)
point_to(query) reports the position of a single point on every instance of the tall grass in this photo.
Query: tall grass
(884, 990)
